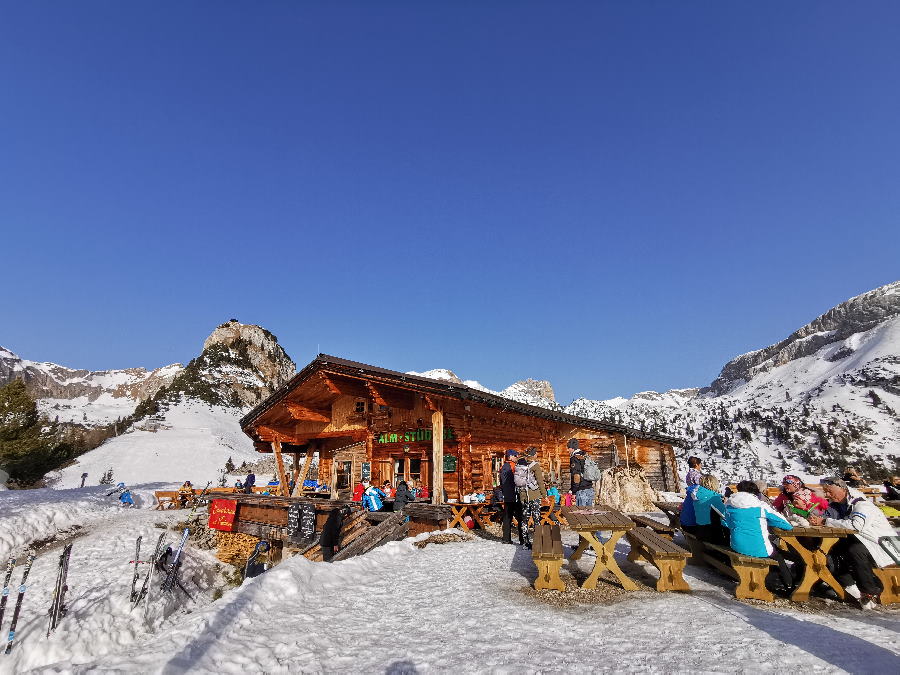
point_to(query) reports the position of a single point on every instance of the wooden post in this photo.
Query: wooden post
(279, 462)
(334, 473)
(298, 482)
(437, 454)
(626, 450)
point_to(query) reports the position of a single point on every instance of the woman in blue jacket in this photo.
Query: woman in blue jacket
(749, 520)
(709, 508)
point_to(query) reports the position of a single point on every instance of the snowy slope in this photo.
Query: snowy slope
(444, 608)
(193, 442)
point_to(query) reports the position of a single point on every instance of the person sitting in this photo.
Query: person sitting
(687, 518)
(553, 491)
(423, 493)
(748, 519)
(852, 478)
(126, 498)
(185, 494)
(695, 471)
(855, 557)
(372, 497)
(388, 489)
(709, 509)
(796, 501)
(892, 489)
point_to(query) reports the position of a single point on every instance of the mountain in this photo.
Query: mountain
(824, 397)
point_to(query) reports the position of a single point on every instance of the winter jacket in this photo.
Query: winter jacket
(688, 517)
(783, 501)
(891, 492)
(576, 467)
(554, 492)
(250, 481)
(706, 501)
(541, 491)
(748, 519)
(508, 483)
(331, 530)
(372, 499)
(358, 492)
(402, 497)
(693, 477)
(859, 514)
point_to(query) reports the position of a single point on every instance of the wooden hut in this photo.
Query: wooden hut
(352, 421)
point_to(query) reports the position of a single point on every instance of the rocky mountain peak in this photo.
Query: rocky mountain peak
(856, 315)
(537, 388)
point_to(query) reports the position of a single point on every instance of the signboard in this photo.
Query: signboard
(221, 514)
(302, 520)
(449, 464)
(412, 436)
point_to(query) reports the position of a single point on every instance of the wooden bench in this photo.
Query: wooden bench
(166, 499)
(890, 579)
(749, 571)
(547, 553)
(660, 552)
(659, 528)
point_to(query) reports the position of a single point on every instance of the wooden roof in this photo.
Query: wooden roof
(324, 363)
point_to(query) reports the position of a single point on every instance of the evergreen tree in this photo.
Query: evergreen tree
(107, 478)
(229, 466)
(26, 451)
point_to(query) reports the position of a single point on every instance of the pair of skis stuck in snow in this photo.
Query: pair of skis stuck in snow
(157, 561)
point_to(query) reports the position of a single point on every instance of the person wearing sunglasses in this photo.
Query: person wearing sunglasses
(854, 557)
(797, 500)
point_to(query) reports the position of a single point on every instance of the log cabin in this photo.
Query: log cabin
(346, 421)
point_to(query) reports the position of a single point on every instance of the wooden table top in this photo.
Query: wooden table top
(813, 531)
(592, 518)
(668, 506)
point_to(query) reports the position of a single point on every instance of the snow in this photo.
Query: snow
(193, 442)
(456, 607)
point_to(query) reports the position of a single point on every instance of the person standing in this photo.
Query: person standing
(330, 539)
(249, 482)
(511, 506)
(531, 495)
(402, 496)
(695, 471)
(583, 489)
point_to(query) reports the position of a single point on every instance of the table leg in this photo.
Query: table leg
(606, 560)
(458, 512)
(815, 567)
(477, 513)
(583, 544)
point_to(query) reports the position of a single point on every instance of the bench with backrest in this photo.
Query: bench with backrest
(547, 553)
(890, 579)
(749, 571)
(662, 553)
(661, 529)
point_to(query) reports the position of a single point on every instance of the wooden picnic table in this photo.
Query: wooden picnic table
(815, 560)
(672, 510)
(459, 510)
(586, 521)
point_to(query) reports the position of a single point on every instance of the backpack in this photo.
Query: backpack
(524, 477)
(591, 470)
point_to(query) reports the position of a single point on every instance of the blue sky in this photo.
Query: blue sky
(613, 196)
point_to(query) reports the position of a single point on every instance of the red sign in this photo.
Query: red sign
(221, 514)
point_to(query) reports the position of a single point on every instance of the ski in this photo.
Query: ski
(15, 618)
(119, 487)
(173, 569)
(198, 500)
(149, 576)
(58, 607)
(10, 564)
(137, 561)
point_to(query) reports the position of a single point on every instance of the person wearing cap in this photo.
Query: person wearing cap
(583, 489)
(855, 557)
(531, 496)
(511, 506)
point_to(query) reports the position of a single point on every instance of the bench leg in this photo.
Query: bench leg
(671, 576)
(698, 551)
(548, 575)
(890, 579)
(752, 582)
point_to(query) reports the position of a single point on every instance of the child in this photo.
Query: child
(554, 492)
(569, 499)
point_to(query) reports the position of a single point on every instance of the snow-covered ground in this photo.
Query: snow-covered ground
(456, 607)
(193, 442)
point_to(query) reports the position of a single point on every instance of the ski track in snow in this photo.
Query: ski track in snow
(449, 607)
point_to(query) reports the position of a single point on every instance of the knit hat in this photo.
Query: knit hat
(511, 453)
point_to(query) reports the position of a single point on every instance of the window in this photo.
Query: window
(361, 407)
(344, 475)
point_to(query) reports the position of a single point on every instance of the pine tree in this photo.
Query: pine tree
(26, 452)
(107, 478)
(229, 466)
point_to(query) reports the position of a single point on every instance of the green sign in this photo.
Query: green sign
(449, 464)
(412, 436)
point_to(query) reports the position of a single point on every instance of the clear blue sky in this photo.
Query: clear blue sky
(614, 196)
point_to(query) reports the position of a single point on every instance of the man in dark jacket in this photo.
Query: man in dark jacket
(581, 488)
(402, 496)
(330, 540)
(249, 482)
(511, 506)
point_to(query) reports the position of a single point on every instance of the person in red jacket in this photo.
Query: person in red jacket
(796, 498)
(358, 492)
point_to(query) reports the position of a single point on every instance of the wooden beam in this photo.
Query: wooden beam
(390, 396)
(271, 435)
(345, 386)
(282, 476)
(333, 482)
(429, 403)
(437, 453)
(298, 482)
(306, 414)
